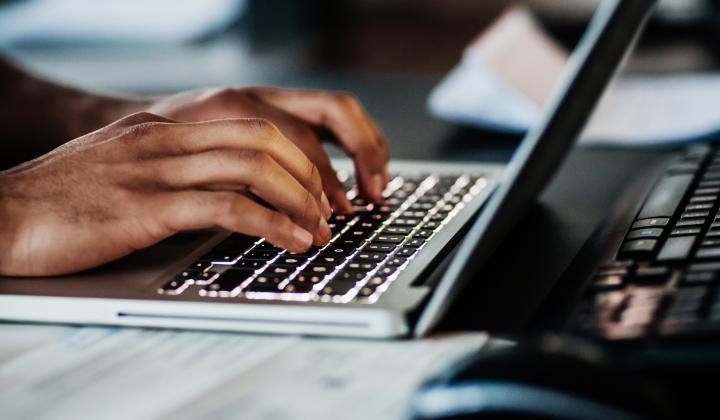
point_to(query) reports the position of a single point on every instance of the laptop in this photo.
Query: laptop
(376, 277)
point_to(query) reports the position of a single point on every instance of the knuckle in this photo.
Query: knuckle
(141, 130)
(345, 99)
(225, 94)
(224, 205)
(256, 161)
(261, 126)
(141, 117)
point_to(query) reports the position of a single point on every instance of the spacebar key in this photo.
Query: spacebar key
(666, 196)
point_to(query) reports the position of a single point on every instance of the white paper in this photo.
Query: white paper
(133, 21)
(114, 373)
(506, 76)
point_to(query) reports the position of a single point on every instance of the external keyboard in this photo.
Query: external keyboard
(664, 279)
(368, 250)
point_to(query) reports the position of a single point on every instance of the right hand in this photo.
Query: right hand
(143, 178)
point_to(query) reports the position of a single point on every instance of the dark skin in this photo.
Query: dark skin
(96, 177)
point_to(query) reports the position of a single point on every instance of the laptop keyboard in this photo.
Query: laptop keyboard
(368, 249)
(664, 280)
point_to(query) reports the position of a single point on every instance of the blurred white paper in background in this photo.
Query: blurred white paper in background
(509, 71)
(115, 21)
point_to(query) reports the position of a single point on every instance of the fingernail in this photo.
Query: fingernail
(325, 232)
(303, 238)
(325, 206)
(378, 186)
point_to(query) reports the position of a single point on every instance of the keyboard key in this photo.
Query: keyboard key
(348, 276)
(321, 269)
(412, 222)
(423, 234)
(711, 266)
(174, 287)
(685, 231)
(337, 289)
(281, 271)
(645, 233)
(639, 246)
(201, 266)
(290, 260)
(397, 230)
(708, 253)
(665, 197)
(261, 254)
(414, 242)
(298, 287)
(205, 278)
(363, 266)
(369, 256)
(329, 259)
(380, 247)
(221, 258)
(676, 248)
(690, 222)
(339, 251)
(265, 284)
(432, 225)
(229, 282)
(693, 214)
(309, 253)
(694, 207)
(254, 264)
(376, 280)
(699, 199)
(309, 278)
(698, 278)
(366, 291)
(406, 252)
(395, 261)
(392, 239)
(266, 246)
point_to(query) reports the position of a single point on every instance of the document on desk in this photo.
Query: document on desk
(115, 373)
(507, 75)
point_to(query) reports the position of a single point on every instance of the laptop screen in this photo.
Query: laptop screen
(611, 33)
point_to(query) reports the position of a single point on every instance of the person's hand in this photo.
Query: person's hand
(301, 115)
(145, 177)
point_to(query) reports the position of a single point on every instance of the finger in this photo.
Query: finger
(300, 133)
(343, 115)
(237, 134)
(255, 171)
(189, 210)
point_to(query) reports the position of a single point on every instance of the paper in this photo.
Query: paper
(114, 373)
(507, 74)
(114, 21)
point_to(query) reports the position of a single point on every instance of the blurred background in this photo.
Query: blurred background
(370, 47)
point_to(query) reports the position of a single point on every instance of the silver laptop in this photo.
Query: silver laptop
(374, 278)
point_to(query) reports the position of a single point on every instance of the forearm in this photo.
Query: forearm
(37, 115)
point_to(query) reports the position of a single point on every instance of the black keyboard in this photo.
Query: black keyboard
(663, 281)
(368, 249)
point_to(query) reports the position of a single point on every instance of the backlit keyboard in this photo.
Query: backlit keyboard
(368, 250)
(665, 278)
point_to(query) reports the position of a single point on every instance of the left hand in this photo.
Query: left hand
(301, 115)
